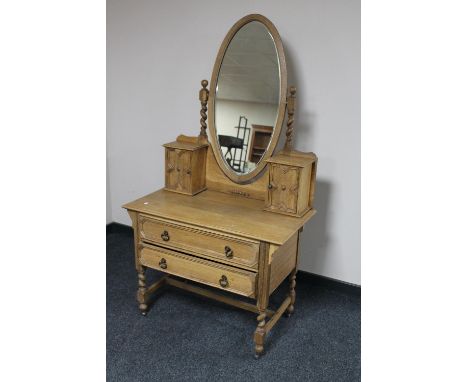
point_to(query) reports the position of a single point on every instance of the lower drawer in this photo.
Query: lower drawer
(204, 271)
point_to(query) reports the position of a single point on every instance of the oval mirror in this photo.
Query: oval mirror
(247, 98)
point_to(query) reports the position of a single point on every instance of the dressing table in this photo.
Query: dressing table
(216, 226)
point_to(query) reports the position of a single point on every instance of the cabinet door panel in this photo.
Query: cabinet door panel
(171, 173)
(284, 182)
(184, 170)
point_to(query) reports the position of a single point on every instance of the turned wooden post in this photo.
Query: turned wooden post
(292, 278)
(203, 96)
(291, 106)
(142, 290)
(292, 291)
(262, 298)
(259, 335)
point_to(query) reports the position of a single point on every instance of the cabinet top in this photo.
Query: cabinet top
(185, 145)
(222, 212)
(293, 158)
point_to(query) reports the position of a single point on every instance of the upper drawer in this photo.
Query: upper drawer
(226, 249)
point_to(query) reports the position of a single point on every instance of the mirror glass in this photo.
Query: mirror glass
(247, 97)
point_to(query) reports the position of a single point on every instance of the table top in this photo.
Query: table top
(222, 212)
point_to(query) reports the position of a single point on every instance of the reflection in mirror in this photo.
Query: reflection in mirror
(247, 97)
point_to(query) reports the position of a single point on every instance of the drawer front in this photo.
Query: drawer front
(206, 244)
(283, 188)
(204, 271)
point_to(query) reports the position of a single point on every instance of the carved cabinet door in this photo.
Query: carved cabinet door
(283, 187)
(184, 170)
(178, 170)
(171, 165)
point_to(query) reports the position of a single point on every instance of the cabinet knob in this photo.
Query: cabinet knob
(189, 172)
(163, 263)
(283, 187)
(223, 281)
(270, 186)
(229, 252)
(165, 236)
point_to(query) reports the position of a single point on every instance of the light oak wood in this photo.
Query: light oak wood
(282, 262)
(155, 286)
(196, 269)
(263, 293)
(142, 293)
(285, 304)
(134, 217)
(203, 96)
(237, 233)
(204, 243)
(222, 213)
(231, 174)
(292, 278)
(216, 180)
(291, 182)
(185, 166)
(215, 296)
(291, 106)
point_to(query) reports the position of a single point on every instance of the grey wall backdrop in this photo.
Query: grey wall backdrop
(157, 53)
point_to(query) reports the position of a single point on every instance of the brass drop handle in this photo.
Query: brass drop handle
(165, 236)
(163, 263)
(223, 281)
(229, 252)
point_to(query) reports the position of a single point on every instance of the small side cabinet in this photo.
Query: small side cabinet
(185, 170)
(291, 183)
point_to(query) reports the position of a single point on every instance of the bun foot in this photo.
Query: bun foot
(289, 311)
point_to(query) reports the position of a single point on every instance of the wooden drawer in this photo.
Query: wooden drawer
(204, 271)
(227, 249)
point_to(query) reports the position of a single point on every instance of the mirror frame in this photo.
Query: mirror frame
(230, 173)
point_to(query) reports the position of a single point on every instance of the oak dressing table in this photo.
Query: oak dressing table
(235, 230)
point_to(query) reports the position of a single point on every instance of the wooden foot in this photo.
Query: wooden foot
(141, 294)
(292, 292)
(259, 335)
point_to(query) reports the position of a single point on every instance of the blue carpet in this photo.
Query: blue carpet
(186, 337)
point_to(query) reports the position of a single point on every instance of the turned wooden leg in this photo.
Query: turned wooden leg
(263, 294)
(259, 335)
(142, 291)
(292, 292)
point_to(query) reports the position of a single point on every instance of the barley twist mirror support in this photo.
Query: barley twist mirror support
(203, 96)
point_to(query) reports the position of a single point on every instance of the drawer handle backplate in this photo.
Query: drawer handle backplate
(228, 252)
(223, 281)
(165, 236)
(163, 263)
